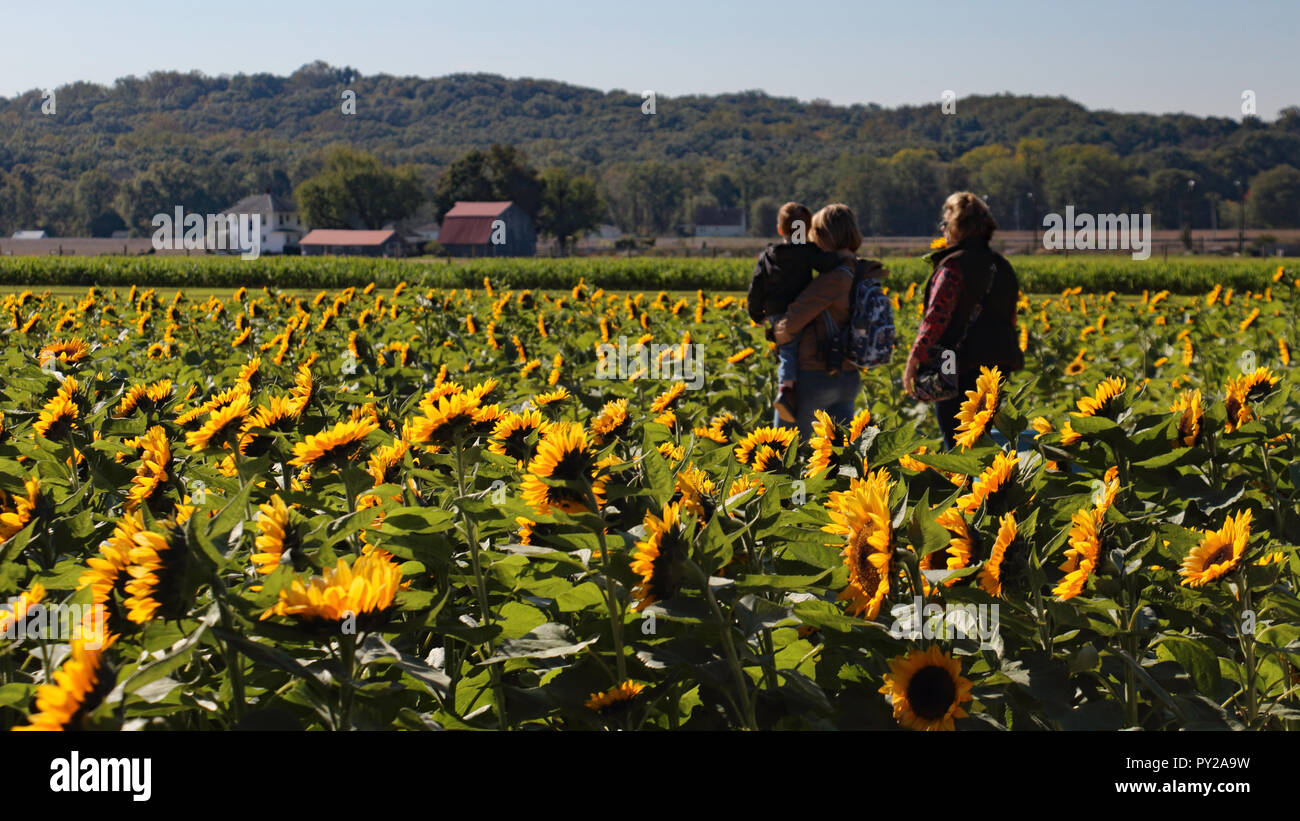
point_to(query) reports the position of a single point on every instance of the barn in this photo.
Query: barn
(352, 243)
(487, 229)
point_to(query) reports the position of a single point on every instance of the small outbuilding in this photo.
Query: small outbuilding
(341, 242)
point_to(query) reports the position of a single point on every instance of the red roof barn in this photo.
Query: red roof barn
(487, 229)
(351, 243)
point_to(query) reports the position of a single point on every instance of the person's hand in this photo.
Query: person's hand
(909, 377)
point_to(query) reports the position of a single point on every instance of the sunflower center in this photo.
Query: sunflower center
(868, 576)
(1223, 554)
(931, 692)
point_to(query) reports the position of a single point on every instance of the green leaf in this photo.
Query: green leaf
(1201, 664)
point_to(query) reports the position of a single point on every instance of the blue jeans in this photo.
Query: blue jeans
(787, 355)
(833, 394)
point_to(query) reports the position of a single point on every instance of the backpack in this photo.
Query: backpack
(868, 339)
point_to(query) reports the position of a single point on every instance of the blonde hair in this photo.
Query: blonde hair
(969, 216)
(790, 212)
(836, 226)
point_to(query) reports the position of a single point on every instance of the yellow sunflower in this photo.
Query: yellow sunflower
(996, 478)
(1005, 561)
(34, 595)
(976, 413)
(927, 689)
(563, 455)
(157, 564)
(859, 424)
(510, 435)
(79, 687)
(64, 352)
(1104, 401)
(1219, 552)
(222, 421)
(155, 462)
(615, 698)
(364, 590)
(1242, 391)
(826, 437)
(861, 515)
(343, 441)
(961, 544)
(784, 437)
(58, 416)
(1082, 556)
(1188, 408)
(666, 400)
(17, 511)
(105, 572)
(611, 423)
(660, 558)
(274, 535)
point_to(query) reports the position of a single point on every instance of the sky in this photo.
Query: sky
(1155, 56)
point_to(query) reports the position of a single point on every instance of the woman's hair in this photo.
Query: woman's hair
(969, 216)
(835, 226)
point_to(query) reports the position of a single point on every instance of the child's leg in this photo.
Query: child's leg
(787, 357)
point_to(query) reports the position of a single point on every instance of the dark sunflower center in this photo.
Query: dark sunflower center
(868, 576)
(930, 692)
(574, 464)
(1219, 556)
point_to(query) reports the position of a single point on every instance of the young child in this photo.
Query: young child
(782, 271)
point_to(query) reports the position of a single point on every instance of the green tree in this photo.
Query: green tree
(93, 204)
(501, 173)
(355, 190)
(570, 205)
(1275, 198)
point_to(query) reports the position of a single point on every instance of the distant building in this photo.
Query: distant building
(29, 235)
(85, 247)
(487, 229)
(719, 222)
(281, 227)
(322, 241)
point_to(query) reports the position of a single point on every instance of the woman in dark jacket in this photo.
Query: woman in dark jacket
(970, 307)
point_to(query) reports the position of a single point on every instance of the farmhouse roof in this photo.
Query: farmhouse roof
(262, 204)
(336, 236)
(470, 223)
(29, 235)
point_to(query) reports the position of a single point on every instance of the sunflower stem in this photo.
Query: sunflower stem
(480, 584)
(347, 659)
(728, 644)
(612, 604)
(1248, 649)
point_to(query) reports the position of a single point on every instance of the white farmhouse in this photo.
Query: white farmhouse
(281, 227)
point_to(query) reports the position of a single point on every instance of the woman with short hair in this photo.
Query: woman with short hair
(970, 309)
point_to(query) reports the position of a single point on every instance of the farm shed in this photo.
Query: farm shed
(342, 242)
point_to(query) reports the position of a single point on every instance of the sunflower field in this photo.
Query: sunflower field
(416, 508)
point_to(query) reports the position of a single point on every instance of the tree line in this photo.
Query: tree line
(110, 157)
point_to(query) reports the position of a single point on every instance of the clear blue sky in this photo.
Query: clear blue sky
(1132, 55)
